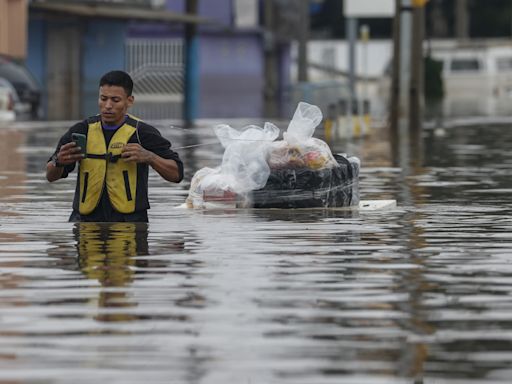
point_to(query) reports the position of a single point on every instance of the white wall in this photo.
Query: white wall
(334, 54)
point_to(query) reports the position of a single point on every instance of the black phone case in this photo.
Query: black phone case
(81, 141)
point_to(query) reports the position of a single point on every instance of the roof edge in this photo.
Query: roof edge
(116, 12)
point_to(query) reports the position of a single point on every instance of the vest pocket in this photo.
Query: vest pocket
(127, 186)
(84, 189)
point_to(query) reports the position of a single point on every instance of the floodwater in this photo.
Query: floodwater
(418, 294)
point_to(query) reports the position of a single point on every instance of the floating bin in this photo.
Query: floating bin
(336, 186)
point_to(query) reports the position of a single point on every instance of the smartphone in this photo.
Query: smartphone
(81, 141)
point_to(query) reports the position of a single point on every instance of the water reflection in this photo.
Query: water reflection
(12, 165)
(106, 253)
(116, 255)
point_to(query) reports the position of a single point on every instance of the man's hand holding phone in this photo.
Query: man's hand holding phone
(81, 142)
(73, 151)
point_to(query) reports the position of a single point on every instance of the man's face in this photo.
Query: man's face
(113, 103)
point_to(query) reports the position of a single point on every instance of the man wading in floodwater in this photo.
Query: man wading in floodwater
(112, 182)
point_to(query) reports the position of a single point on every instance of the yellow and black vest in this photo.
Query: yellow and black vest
(103, 168)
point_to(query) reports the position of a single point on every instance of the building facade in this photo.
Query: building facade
(71, 44)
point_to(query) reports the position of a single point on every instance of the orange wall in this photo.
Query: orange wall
(13, 28)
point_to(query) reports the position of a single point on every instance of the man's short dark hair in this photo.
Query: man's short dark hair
(118, 78)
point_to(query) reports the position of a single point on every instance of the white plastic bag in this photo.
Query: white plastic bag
(251, 154)
(244, 168)
(300, 149)
(302, 126)
(244, 161)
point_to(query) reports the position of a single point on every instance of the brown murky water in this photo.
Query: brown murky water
(422, 293)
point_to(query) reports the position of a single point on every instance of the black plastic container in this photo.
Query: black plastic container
(306, 188)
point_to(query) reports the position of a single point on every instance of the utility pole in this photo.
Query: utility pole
(461, 19)
(407, 82)
(417, 75)
(303, 41)
(191, 102)
(271, 79)
(395, 85)
(438, 20)
(364, 33)
(400, 97)
(405, 55)
(351, 36)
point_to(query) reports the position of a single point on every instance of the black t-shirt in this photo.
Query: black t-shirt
(147, 136)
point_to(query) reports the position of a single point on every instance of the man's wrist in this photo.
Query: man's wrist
(55, 162)
(151, 158)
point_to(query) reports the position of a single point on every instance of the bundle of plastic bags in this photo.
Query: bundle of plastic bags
(257, 171)
(244, 168)
(299, 149)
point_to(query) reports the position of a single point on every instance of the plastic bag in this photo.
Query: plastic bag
(257, 171)
(302, 126)
(244, 161)
(244, 168)
(304, 172)
(299, 149)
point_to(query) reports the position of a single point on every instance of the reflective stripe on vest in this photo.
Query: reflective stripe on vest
(100, 169)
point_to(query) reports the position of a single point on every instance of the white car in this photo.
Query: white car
(477, 78)
(8, 99)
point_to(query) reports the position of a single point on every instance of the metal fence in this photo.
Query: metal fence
(157, 69)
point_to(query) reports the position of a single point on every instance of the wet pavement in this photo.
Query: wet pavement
(421, 293)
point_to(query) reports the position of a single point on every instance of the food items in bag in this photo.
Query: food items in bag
(315, 160)
(282, 155)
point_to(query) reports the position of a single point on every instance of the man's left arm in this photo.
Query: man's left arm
(167, 168)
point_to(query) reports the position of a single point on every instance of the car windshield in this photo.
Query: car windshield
(469, 64)
(8, 86)
(17, 75)
(504, 64)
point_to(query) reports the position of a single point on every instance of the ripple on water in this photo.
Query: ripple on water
(264, 296)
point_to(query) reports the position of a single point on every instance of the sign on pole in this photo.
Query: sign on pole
(369, 8)
(419, 3)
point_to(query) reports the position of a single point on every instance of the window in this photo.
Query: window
(460, 65)
(504, 64)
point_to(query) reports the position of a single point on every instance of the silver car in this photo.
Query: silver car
(8, 100)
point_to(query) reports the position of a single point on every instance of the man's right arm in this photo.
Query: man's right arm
(53, 172)
(67, 154)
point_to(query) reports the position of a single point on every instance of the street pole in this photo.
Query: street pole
(461, 19)
(303, 41)
(364, 97)
(416, 84)
(191, 78)
(405, 56)
(407, 83)
(395, 85)
(270, 89)
(351, 36)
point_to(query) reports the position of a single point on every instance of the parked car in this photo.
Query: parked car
(8, 99)
(477, 78)
(27, 89)
(22, 109)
